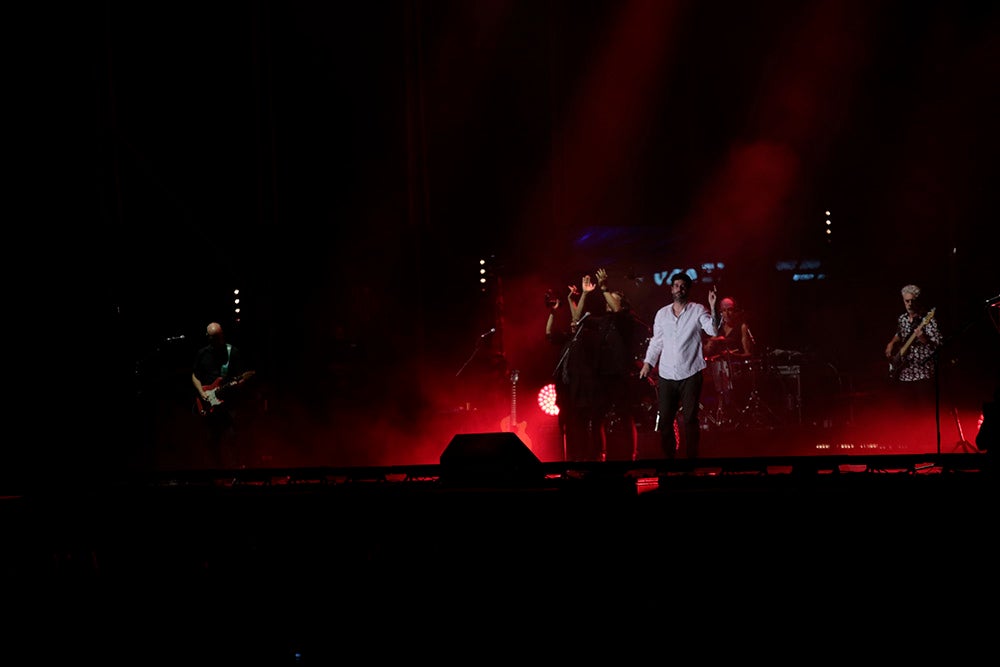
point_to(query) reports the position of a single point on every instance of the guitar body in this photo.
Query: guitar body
(520, 429)
(509, 424)
(895, 366)
(215, 390)
(207, 406)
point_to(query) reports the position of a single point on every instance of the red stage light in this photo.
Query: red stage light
(547, 399)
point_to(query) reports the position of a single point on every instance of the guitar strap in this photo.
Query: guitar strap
(225, 366)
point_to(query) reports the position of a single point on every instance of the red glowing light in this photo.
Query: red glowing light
(547, 399)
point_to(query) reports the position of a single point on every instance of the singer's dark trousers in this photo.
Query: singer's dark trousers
(682, 395)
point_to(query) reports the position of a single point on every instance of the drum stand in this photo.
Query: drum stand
(755, 413)
(722, 416)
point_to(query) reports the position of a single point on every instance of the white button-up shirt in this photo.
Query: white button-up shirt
(675, 348)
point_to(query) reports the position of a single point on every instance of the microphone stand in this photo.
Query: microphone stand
(945, 345)
(937, 397)
(479, 345)
(569, 345)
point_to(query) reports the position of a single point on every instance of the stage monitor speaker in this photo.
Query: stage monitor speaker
(490, 458)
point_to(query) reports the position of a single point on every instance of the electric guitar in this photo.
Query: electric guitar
(509, 424)
(896, 364)
(215, 391)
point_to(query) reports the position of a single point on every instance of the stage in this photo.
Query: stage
(281, 565)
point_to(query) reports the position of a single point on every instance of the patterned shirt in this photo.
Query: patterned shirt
(918, 362)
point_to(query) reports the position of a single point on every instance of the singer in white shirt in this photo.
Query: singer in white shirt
(676, 351)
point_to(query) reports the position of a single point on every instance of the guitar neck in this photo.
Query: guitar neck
(908, 343)
(913, 336)
(513, 397)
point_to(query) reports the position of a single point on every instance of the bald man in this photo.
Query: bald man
(218, 366)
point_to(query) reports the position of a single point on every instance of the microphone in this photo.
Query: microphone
(171, 339)
(489, 333)
(585, 316)
(993, 300)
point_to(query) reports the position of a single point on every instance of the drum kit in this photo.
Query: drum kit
(737, 387)
(741, 384)
(738, 399)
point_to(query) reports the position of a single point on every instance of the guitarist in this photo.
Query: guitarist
(214, 364)
(912, 349)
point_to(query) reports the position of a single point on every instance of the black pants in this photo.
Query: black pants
(621, 440)
(223, 450)
(682, 395)
(583, 434)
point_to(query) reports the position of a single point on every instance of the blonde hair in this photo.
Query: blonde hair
(911, 289)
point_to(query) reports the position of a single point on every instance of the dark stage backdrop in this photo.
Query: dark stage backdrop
(347, 166)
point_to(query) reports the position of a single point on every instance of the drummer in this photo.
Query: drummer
(726, 355)
(734, 340)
